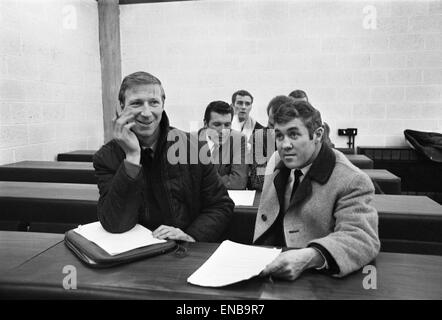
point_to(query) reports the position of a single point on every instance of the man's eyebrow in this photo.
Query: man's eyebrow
(288, 130)
(135, 100)
(293, 129)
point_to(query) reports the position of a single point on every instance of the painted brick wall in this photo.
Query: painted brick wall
(381, 81)
(50, 82)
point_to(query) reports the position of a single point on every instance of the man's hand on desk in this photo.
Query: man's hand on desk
(168, 232)
(290, 264)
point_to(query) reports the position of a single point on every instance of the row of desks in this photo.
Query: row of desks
(32, 266)
(83, 172)
(404, 218)
(88, 194)
(358, 160)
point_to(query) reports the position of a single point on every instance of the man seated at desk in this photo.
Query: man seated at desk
(227, 147)
(139, 184)
(314, 201)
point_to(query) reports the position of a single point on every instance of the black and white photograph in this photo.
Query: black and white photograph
(205, 151)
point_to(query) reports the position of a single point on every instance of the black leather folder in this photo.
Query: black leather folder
(94, 256)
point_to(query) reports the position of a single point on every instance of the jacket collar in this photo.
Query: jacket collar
(320, 171)
(162, 137)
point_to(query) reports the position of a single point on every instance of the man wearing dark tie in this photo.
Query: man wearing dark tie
(314, 202)
(227, 147)
(139, 182)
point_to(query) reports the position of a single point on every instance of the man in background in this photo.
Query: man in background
(300, 95)
(242, 102)
(227, 147)
(263, 145)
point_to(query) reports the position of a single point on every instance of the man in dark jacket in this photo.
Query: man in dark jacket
(227, 147)
(140, 181)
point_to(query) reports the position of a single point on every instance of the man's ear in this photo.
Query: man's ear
(318, 134)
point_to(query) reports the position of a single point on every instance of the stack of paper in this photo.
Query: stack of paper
(242, 197)
(233, 262)
(115, 243)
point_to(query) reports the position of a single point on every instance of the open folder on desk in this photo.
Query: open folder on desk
(233, 262)
(99, 248)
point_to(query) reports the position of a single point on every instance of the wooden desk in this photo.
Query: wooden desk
(49, 171)
(360, 161)
(18, 247)
(418, 173)
(411, 218)
(48, 202)
(416, 206)
(388, 182)
(77, 155)
(400, 276)
(83, 172)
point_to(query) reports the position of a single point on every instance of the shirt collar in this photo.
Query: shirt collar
(305, 169)
(210, 143)
(152, 147)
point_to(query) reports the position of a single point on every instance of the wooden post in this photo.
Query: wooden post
(110, 57)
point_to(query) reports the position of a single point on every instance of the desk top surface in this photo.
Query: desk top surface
(418, 205)
(80, 152)
(387, 147)
(358, 157)
(47, 190)
(56, 165)
(87, 166)
(380, 174)
(399, 276)
(18, 247)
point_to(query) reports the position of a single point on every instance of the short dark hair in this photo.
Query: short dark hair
(276, 102)
(302, 110)
(241, 93)
(136, 79)
(218, 106)
(298, 94)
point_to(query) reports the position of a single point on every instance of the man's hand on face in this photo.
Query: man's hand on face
(290, 264)
(125, 137)
(168, 232)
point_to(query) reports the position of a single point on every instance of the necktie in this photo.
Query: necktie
(291, 187)
(148, 157)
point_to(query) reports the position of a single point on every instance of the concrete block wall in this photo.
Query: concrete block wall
(50, 78)
(381, 80)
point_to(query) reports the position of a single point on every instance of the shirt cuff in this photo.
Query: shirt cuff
(325, 265)
(332, 267)
(132, 169)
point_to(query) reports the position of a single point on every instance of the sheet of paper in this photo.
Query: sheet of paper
(115, 243)
(233, 262)
(242, 197)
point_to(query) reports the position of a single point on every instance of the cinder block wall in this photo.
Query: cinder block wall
(381, 80)
(50, 79)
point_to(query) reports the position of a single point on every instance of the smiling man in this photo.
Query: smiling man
(138, 183)
(314, 202)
